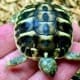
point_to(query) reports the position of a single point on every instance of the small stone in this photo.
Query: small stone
(10, 1)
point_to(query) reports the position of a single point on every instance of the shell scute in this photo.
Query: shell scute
(43, 27)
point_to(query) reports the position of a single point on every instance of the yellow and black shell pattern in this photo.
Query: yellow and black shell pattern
(43, 27)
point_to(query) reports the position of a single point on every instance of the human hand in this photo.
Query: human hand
(29, 70)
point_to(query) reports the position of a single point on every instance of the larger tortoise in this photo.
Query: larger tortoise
(43, 32)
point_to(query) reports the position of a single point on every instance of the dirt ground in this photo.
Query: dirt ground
(10, 7)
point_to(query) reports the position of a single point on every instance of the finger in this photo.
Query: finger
(75, 47)
(66, 69)
(76, 31)
(19, 72)
(7, 43)
(40, 76)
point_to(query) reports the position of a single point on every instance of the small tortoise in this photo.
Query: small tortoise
(43, 32)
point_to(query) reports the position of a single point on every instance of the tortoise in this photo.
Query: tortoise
(43, 32)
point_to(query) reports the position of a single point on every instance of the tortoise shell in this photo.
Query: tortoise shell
(41, 28)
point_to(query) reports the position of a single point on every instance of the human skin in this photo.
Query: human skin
(29, 70)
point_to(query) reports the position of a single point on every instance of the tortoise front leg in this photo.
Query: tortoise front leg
(72, 56)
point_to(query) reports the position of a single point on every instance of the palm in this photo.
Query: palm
(29, 70)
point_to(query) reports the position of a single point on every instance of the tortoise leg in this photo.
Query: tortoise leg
(17, 60)
(72, 56)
